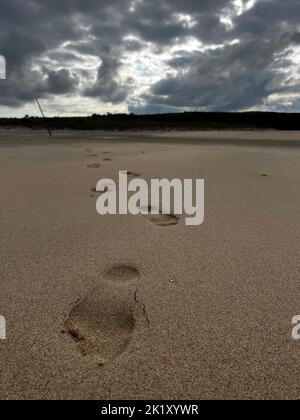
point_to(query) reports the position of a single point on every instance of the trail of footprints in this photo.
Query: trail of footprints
(162, 220)
(101, 325)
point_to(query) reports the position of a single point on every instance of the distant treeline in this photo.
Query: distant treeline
(183, 121)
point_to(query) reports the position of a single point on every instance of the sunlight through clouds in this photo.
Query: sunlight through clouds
(163, 54)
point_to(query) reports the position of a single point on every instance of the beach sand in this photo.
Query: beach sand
(120, 307)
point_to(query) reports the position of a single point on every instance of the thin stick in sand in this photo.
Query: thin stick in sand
(43, 116)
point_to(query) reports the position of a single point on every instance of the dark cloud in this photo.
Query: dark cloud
(59, 82)
(239, 76)
(48, 45)
(31, 33)
(106, 86)
(229, 78)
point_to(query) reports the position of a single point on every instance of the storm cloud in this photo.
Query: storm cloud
(150, 56)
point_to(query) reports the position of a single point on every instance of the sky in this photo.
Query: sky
(81, 57)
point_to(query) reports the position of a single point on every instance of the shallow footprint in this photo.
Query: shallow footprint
(122, 274)
(94, 165)
(102, 324)
(163, 220)
(133, 174)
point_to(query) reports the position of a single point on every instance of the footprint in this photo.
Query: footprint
(94, 165)
(163, 220)
(109, 187)
(102, 324)
(133, 174)
(108, 160)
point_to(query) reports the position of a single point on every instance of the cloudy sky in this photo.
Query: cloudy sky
(146, 56)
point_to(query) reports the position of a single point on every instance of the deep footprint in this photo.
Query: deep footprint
(102, 324)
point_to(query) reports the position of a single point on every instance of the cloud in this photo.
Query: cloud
(230, 78)
(151, 56)
(107, 87)
(240, 75)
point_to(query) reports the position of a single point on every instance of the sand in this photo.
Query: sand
(131, 307)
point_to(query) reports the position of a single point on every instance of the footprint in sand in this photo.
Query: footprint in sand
(163, 220)
(94, 165)
(133, 174)
(109, 187)
(102, 324)
(122, 274)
